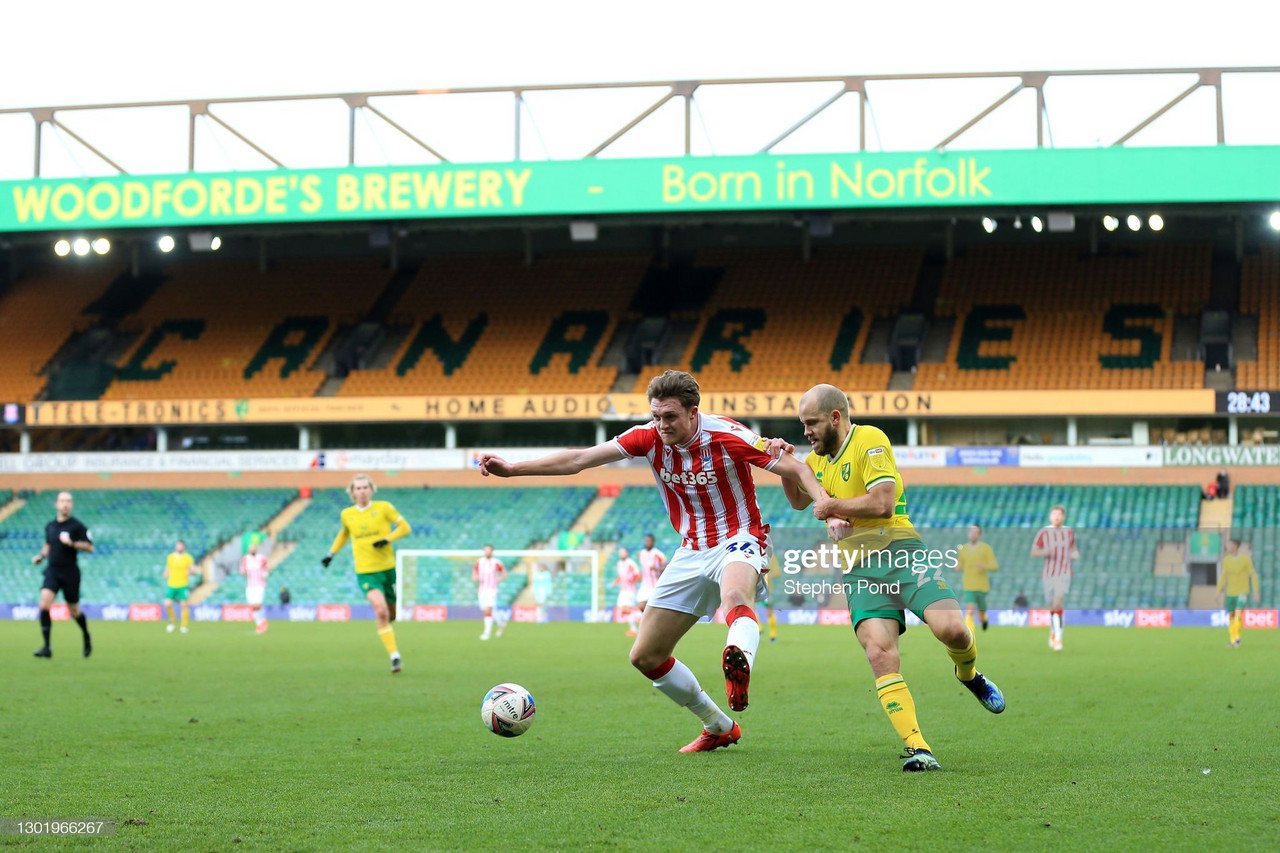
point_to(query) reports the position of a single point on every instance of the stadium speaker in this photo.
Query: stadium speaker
(1061, 220)
(583, 231)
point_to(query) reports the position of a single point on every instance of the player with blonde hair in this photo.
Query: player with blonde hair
(372, 526)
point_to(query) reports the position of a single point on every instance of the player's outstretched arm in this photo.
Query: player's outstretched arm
(338, 542)
(801, 480)
(559, 464)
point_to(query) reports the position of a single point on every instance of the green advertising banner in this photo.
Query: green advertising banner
(680, 184)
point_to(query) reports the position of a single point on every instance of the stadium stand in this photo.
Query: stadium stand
(133, 531)
(1260, 297)
(491, 323)
(223, 329)
(461, 518)
(1119, 528)
(37, 316)
(1052, 316)
(776, 323)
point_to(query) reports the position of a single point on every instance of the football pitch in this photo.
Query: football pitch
(301, 739)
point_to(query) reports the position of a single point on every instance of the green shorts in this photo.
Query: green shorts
(1237, 602)
(384, 581)
(979, 599)
(887, 586)
(176, 593)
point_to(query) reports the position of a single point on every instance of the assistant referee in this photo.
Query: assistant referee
(64, 538)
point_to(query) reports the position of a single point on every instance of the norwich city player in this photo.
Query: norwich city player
(892, 572)
(1237, 579)
(369, 526)
(177, 570)
(976, 559)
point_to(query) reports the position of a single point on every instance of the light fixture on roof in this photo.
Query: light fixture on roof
(101, 245)
(215, 244)
(988, 224)
(1155, 222)
(62, 248)
(165, 244)
(1037, 224)
(1110, 223)
(583, 231)
(1134, 222)
(1017, 221)
(1275, 219)
(80, 246)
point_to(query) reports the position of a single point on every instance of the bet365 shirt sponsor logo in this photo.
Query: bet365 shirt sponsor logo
(689, 478)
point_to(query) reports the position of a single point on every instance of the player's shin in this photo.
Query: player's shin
(186, 614)
(744, 631)
(678, 683)
(898, 705)
(46, 626)
(388, 637)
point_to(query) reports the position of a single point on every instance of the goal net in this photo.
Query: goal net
(443, 577)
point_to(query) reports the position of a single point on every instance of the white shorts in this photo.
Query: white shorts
(488, 599)
(1055, 586)
(691, 581)
(626, 598)
(645, 593)
(254, 595)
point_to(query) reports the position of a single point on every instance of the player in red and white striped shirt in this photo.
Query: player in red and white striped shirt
(254, 567)
(627, 580)
(702, 464)
(488, 573)
(652, 562)
(1057, 545)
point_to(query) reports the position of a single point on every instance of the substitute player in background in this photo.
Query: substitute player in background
(865, 505)
(541, 590)
(488, 573)
(627, 579)
(1057, 545)
(64, 538)
(372, 526)
(702, 464)
(177, 573)
(976, 559)
(1237, 579)
(255, 569)
(652, 562)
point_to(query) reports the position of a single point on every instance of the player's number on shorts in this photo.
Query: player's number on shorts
(746, 549)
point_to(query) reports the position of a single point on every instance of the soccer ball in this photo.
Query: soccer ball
(507, 710)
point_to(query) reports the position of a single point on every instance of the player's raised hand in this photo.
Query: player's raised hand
(326, 560)
(490, 463)
(838, 528)
(775, 447)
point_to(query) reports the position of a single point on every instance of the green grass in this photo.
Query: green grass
(301, 739)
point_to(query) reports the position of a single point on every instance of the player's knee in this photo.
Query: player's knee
(644, 660)
(879, 655)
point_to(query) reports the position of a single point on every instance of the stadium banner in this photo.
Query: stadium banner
(742, 405)
(1090, 457)
(652, 185)
(977, 457)
(1222, 457)
(920, 457)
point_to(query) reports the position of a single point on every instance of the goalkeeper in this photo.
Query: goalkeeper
(372, 526)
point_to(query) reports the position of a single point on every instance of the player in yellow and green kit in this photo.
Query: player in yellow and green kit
(975, 559)
(892, 572)
(177, 571)
(372, 526)
(1237, 579)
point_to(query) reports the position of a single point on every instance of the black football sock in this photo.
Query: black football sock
(83, 623)
(46, 624)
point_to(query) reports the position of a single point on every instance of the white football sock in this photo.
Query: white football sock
(681, 686)
(633, 619)
(258, 618)
(745, 634)
(1056, 630)
(488, 624)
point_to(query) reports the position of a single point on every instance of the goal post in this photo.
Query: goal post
(442, 576)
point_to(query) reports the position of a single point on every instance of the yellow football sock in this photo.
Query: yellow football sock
(900, 708)
(966, 660)
(773, 626)
(968, 621)
(388, 637)
(168, 606)
(1237, 626)
(186, 614)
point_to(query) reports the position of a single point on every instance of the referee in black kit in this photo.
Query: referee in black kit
(64, 538)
